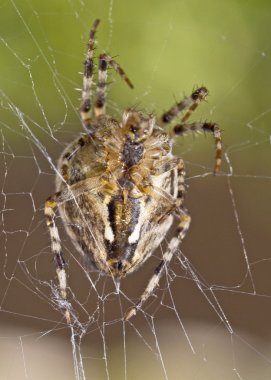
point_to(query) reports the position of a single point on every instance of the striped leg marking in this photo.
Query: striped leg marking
(104, 61)
(189, 104)
(173, 245)
(49, 212)
(181, 178)
(183, 128)
(101, 86)
(85, 109)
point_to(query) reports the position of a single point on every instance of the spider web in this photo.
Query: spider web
(209, 318)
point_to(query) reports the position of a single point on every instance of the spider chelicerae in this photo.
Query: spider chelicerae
(120, 187)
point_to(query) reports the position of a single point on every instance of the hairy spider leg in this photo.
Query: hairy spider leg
(104, 61)
(181, 179)
(53, 202)
(183, 128)
(181, 231)
(85, 109)
(183, 226)
(190, 104)
(50, 215)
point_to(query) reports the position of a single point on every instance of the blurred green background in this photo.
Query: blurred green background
(167, 48)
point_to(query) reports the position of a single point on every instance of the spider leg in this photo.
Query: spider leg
(190, 104)
(50, 215)
(104, 61)
(184, 128)
(101, 87)
(67, 193)
(173, 245)
(181, 178)
(85, 109)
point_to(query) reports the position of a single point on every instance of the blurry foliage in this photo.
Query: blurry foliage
(167, 48)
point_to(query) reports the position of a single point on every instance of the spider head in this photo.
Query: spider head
(136, 126)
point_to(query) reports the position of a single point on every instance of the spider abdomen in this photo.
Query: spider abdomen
(115, 237)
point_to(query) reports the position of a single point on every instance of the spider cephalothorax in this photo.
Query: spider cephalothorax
(120, 186)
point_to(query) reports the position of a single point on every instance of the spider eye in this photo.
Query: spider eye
(134, 128)
(166, 118)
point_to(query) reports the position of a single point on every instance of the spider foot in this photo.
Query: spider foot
(131, 313)
(68, 317)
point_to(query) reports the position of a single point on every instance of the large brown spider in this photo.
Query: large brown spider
(119, 186)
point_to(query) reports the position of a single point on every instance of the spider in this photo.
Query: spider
(120, 186)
